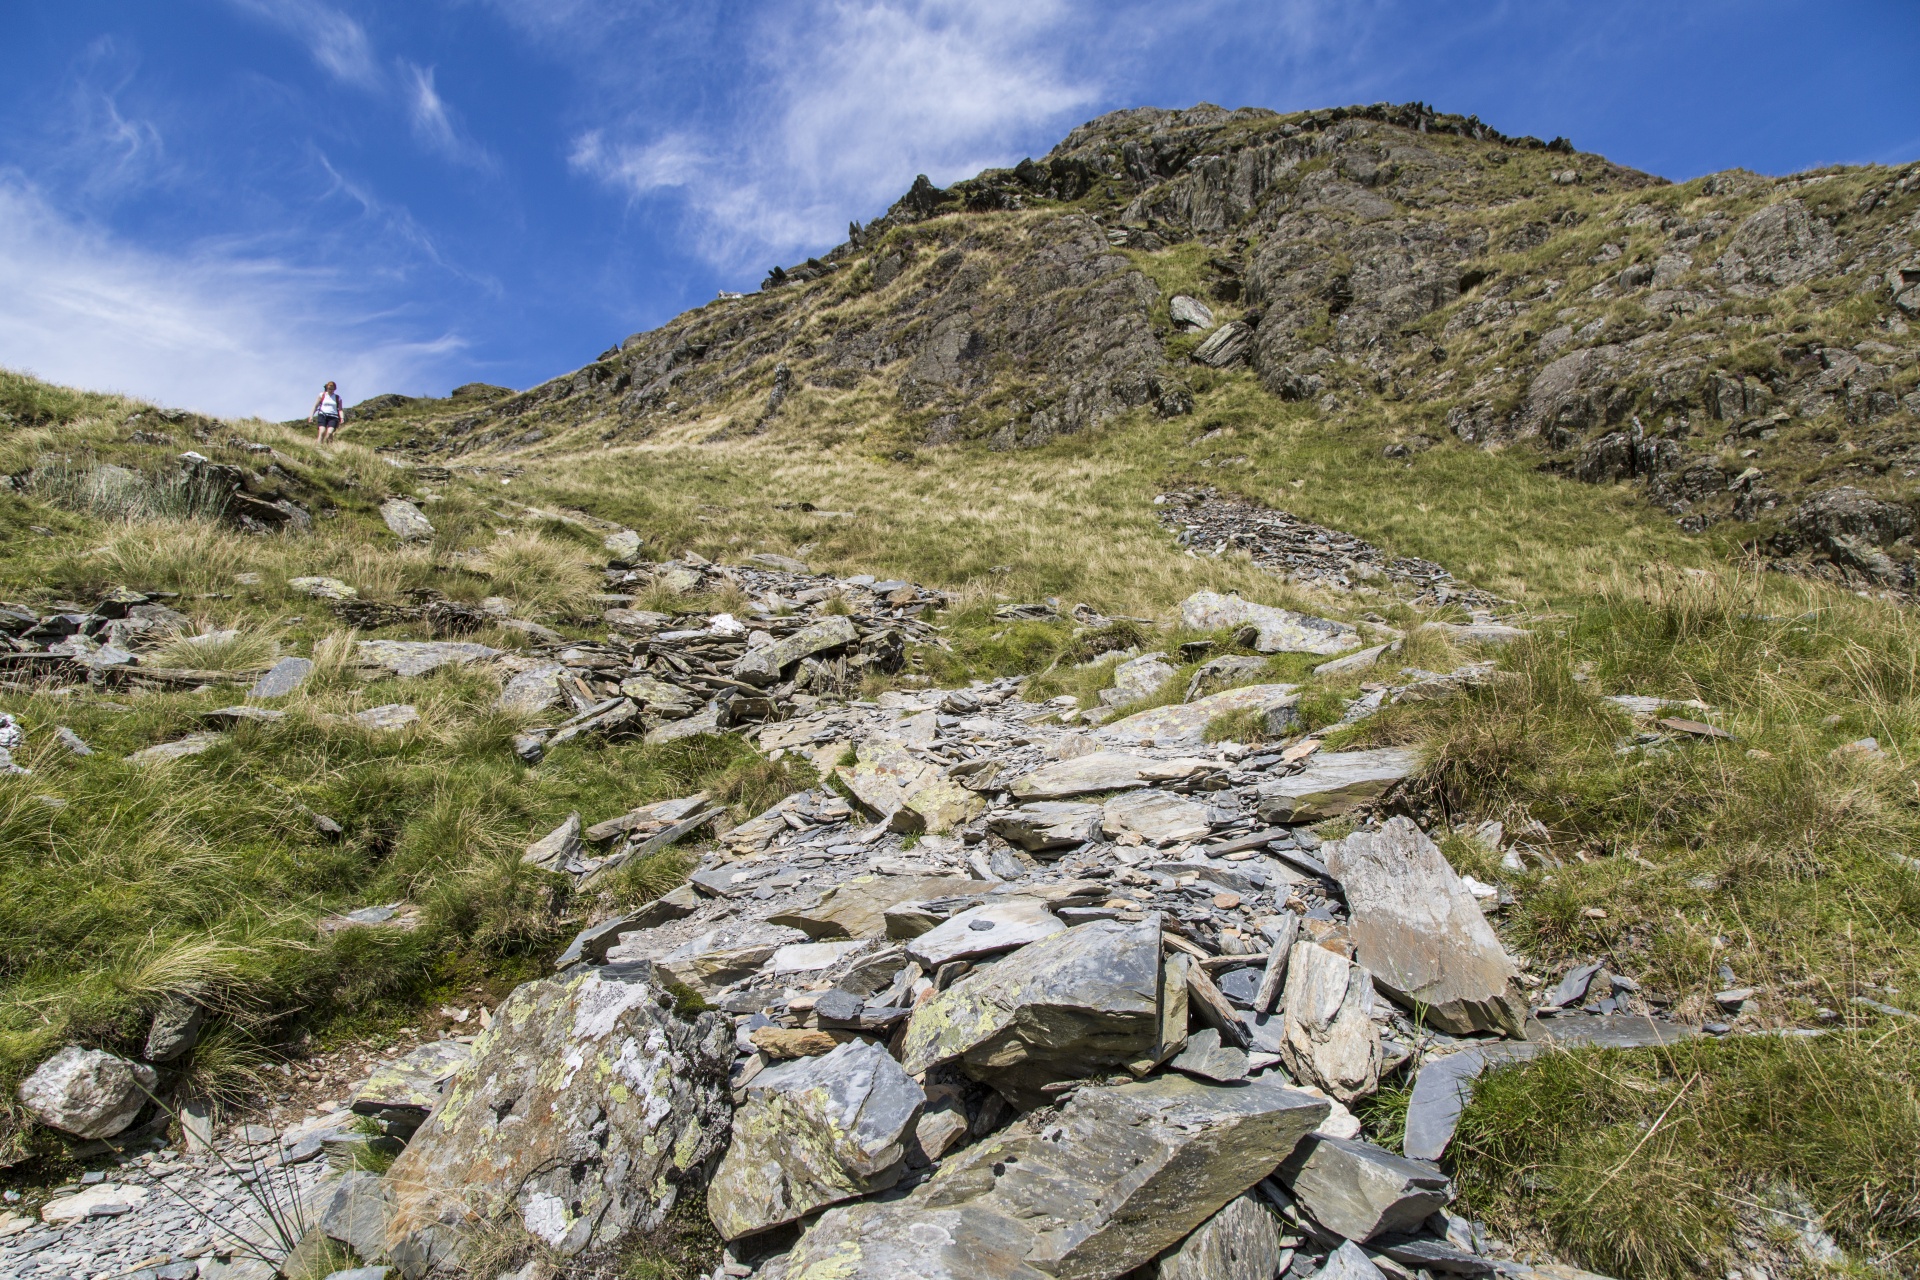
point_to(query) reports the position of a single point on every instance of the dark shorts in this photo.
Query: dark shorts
(326, 422)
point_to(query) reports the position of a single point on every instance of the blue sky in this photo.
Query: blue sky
(218, 204)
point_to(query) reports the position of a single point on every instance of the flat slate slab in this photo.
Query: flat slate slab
(417, 657)
(984, 930)
(1083, 775)
(1185, 725)
(857, 908)
(1334, 782)
(282, 678)
(1280, 630)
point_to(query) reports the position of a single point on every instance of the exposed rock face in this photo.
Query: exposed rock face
(587, 1103)
(1329, 1036)
(812, 1132)
(1101, 771)
(1080, 1002)
(1241, 1242)
(1780, 245)
(1420, 933)
(1278, 630)
(88, 1093)
(1335, 782)
(764, 665)
(1101, 1186)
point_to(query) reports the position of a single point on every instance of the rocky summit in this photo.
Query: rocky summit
(1350, 718)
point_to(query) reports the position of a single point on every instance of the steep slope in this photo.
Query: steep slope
(1737, 346)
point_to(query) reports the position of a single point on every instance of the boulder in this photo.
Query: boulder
(996, 926)
(1157, 817)
(1334, 782)
(1421, 934)
(282, 678)
(622, 544)
(1138, 678)
(559, 849)
(174, 1029)
(1100, 771)
(417, 657)
(1082, 1002)
(408, 522)
(884, 779)
(1225, 345)
(857, 908)
(1105, 1184)
(389, 718)
(88, 1093)
(321, 588)
(1328, 1037)
(1049, 824)
(532, 691)
(1185, 725)
(1241, 1242)
(1357, 1190)
(354, 1213)
(937, 808)
(1189, 314)
(812, 1132)
(1278, 630)
(588, 1103)
(1349, 1262)
(1207, 1058)
(763, 665)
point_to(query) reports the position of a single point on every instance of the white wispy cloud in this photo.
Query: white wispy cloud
(334, 40)
(434, 125)
(840, 104)
(213, 328)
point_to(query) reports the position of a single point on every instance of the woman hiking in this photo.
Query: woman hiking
(327, 415)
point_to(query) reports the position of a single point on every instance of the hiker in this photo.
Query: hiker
(327, 415)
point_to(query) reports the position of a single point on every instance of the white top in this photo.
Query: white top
(330, 403)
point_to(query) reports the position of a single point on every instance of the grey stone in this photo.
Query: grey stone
(282, 678)
(813, 1132)
(857, 908)
(88, 1093)
(1190, 314)
(389, 718)
(706, 720)
(1334, 782)
(408, 522)
(1208, 1059)
(623, 544)
(1572, 987)
(1107, 1183)
(321, 588)
(1348, 1262)
(361, 1273)
(1138, 678)
(1185, 724)
(763, 665)
(71, 741)
(167, 752)
(1049, 824)
(787, 564)
(1157, 817)
(588, 1102)
(1224, 346)
(1282, 934)
(559, 849)
(985, 930)
(354, 1213)
(1361, 661)
(532, 691)
(175, 1028)
(1100, 771)
(647, 819)
(1329, 1037)
(407, 1088)
(1279, 630)
(1779, 245)
(1081, 1002)
(1421, 934)
(417, 657)
(1358, 1190)
(1241, 1242)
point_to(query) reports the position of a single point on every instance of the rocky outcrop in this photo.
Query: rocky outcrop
(588, 1103)
(88, 1093)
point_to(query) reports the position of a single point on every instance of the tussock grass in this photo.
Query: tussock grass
(233, 650)
(538, 573)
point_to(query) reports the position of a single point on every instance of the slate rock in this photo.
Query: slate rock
(1352, 663)
(1359, 1191)
(532, 691)
(588, 1103)
(389, 718)
(1157, 817)
(1279, 630)
(71, 741)
(1420, 933)
(407, 1088)
(1100, 771)
(1049, 824)
(647, 819)
(1081, 1002)
(417, 657)
(812, 1132)
(1224, 346)
(354, 1212)
(1008, 923)
(884, 779)
(1334, 782)
(622, 544)
(1208, 1059)
(88, 1093)
(1105, 1184)
(1189, 314)
(938, 808)
(179, 749)
(763, 665)
(1329, 1037)
(1138, 678)
(1241, 1242)
(559, 848)
(321, 588)
(1185, 724)
(175, 1028)
(282, 678)
(229, 717)
(408, 522)
(1348, 1262)
(857, 908)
